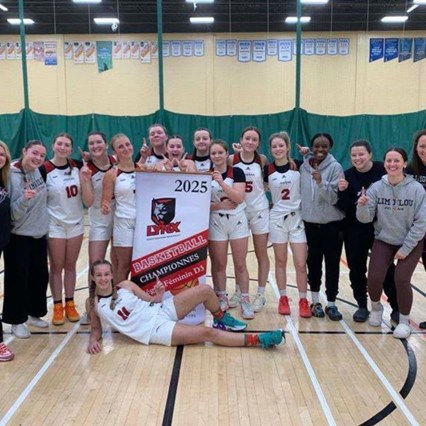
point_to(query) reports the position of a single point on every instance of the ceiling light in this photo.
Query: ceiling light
(202, 20)
(106, 21)
(86, 1)
(414, 6)
(293, 19)
(199, 1)
(17, 21)
(314, 1)
(3, 8)
(394, 19)
(419, 1)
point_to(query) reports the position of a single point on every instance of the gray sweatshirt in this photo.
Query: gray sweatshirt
(400, 212)
(318, 200)
(29, 217)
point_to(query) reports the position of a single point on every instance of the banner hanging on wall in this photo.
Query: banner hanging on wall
(171, 232)
(405, 49)
(391, 49)
(419, 49)
(376, 49)
(104, 55)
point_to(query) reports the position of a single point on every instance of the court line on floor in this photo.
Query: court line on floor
(19, 401)
(314, 380)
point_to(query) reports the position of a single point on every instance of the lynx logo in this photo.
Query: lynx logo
(162, 214)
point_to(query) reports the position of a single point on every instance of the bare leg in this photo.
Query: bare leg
(260, 242)
(187, 300)
(73, 246)
(280, 252)
(300, 254)
(57, 253)
(239, 249)
(122, 267)
(218, 256)
(189, 334)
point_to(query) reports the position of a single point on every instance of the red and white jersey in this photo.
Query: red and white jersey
(131, 316)
(64, 201)
(284, 185)
(232, 174)
(153, 159)
(124, 195)
(202, 164)
(95, 214)
(255, 192)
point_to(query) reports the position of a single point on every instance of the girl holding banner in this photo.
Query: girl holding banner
(228, 223)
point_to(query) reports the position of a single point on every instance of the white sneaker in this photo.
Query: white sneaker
(235, 299)
(402, 331)
(37, 322)
(375, 318)
(21, 331)
(247, 309)
(84, 319)
(259, 302)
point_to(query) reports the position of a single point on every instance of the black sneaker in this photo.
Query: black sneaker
(361, 315)
(422, 325)
(317, 310)
(333, 313)
(394, 317)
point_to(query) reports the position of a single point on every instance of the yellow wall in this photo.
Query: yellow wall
(211, 85)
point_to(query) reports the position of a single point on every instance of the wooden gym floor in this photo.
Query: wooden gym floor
(340, 373)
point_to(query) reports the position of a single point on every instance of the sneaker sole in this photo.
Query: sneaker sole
(73, 319)
(58, 322)
(238, 328)
(305, 315)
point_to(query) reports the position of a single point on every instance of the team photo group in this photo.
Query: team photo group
(310, 206)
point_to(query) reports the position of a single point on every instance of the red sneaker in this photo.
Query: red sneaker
(283, 306)
(5, 353)
(304, 308)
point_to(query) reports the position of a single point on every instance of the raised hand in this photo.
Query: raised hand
(217, 176)
(363, 199)
(342, 183)
(303, 150)
(85, 156)
(237, 147)
(316, 174)
(29, 193)
(145, 151)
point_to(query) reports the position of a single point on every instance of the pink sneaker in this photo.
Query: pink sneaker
(5, 353)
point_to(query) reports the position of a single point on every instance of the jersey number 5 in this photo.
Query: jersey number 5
(249, 186)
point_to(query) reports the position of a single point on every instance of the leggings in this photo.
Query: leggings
(382, 255)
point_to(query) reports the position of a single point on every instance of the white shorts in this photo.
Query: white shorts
(100, 232)
(123, 232)
(224, 227)
(286, 228)
(258, 221)
(165, 323)
(65, 231)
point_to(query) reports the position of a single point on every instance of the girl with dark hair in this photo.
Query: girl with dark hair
(68, 185)
(150, 319)
(398, 203)
(323, 222)
(285, 222)
(359, 236)
(417, 168)
(25, 257)
(150, 155)
(175, 157)
(5, 224)
(257, 211)
(202, 140)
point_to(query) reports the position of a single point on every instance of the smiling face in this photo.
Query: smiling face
(361, 158)
(421, 149)
(122, 147)
(250, 141)
(320, 148)
(394, 164)
(97, 146)
(33, 157)
(102, 277)
(174, 148)
(62, 147)
(279, 149)
(202, 140)
(218, 155)
(157, 136)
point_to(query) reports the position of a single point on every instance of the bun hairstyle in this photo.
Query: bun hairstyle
(322, 135)
(92, 286)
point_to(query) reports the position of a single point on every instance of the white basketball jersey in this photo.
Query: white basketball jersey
(124, 194)
(131, 316)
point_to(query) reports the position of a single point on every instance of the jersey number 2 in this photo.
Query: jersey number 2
(285, 194)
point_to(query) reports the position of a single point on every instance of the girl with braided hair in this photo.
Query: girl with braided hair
(150, 319)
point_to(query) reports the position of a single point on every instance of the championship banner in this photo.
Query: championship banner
(171, 233)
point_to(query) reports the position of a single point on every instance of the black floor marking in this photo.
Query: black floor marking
(405, 390)
(418, 290)
(174, 381)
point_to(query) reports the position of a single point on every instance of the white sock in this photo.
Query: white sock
(283, 292)
(260, 290)
(404, 319)
(376, 306)
(221, 293)
(303, 294)
(331, 303)
(315, 297)
(245, 296)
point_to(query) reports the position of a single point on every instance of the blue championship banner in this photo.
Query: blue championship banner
(171, 233)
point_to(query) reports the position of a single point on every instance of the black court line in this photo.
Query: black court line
(174, 381)
(405, 390)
